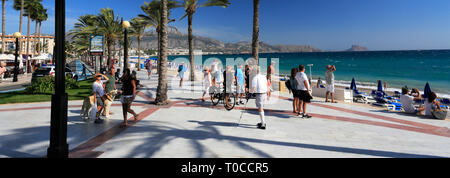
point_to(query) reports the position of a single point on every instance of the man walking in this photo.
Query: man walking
(110, 92)
(303, 88)
(259, 88)
(329, 77)
(149, 68)
(181, 70)
(240, 84)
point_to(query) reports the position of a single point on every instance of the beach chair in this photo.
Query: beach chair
(445, 101)
(394, 106)
(360, 97)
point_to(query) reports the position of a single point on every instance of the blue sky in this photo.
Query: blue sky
(325, 24)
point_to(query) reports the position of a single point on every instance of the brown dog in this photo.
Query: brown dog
(87, 106)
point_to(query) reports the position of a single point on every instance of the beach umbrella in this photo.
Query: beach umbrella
(353, 84)
(380, 87)
(426, 90)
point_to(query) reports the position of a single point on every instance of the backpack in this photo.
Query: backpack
(288, 84)
(180, 68)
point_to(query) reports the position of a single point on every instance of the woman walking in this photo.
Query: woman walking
(295, 104)
(128, 96)
(206, 82)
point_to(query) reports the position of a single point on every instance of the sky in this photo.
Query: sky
(324, 24)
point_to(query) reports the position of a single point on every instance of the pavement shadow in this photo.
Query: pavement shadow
(405, 114)
(160, 136)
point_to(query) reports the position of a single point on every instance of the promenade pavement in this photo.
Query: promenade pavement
(189, 128)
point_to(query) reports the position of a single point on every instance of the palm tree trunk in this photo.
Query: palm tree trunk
(35, 37)
(191, 46)
(108, 63)
(3, 26)
(21, 16)
(39, 38)
(255, 41)
(139, 53)
(161, 94)
(28, 41)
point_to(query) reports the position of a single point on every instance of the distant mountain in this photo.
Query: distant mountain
(178, 40)
(357, 48)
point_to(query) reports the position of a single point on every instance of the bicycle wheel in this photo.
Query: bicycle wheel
(232, 102)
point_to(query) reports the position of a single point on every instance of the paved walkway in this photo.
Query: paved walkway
(189, 128)
(22, 81)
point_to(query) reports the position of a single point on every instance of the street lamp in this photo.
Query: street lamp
(125, 25)
(17, 35)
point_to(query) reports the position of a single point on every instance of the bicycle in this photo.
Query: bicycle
(218, 95)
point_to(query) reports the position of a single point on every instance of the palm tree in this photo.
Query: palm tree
(190, 7)
(32, 7)
(18, 5)
(138, 25)
(161, 93)
(42, 16)
(109, 25)
(255, 41)
(3, 26)
(81, 34)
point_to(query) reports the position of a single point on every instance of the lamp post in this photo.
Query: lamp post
(125, 25)
(17, 35)
(58, 124)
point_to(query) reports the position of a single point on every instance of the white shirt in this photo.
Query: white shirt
(215, 67)
(259, 84)
(301, 77)
(428, 107)
(97, 88)
(407, 103)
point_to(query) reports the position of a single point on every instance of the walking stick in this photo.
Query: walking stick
(245, 108)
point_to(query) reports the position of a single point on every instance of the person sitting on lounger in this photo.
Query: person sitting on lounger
(408, 100)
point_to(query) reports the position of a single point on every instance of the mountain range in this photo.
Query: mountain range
(180, 41)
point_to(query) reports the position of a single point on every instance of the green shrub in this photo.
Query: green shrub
(46, 85)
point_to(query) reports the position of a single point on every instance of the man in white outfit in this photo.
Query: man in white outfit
(259, 88)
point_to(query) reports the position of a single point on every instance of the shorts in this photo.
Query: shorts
(214, 74)
(296, 93)
(330, 88)
(304, 96)
(228, 88)
(149, 71)
(126, 99)
(100, 102)
(181, 75)
(260, 99)
(240, 89)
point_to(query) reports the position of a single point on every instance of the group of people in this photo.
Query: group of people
(408, 99)
(104, 94)
(260, 85)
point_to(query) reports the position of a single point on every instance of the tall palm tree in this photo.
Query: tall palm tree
(3, 26)
(43, 16)
(81, 33)
(190, 7)
(109, 25)
(161, 93)
(255, 41)
(138, 25)
(152, 16)
(32, 7)
(19, 5)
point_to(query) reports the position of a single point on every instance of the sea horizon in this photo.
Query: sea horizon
(397, 67)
